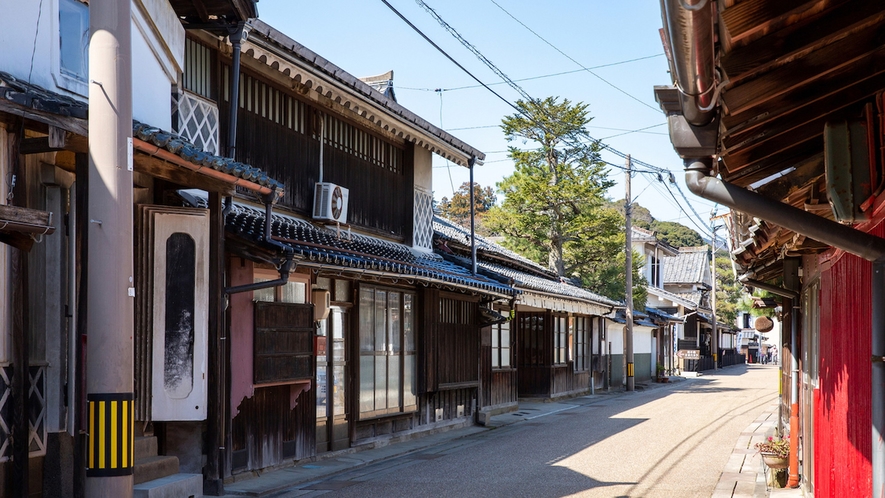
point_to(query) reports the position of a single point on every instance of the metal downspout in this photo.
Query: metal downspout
(284, 268)
(834, 234)
(791, 281)
(470, 164)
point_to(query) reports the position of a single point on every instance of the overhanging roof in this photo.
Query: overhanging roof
(787, 68)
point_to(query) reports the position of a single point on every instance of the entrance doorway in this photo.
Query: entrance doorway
(332, 430)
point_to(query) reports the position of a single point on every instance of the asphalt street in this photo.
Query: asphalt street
(672, 441)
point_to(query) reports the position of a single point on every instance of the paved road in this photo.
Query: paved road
(668, 442)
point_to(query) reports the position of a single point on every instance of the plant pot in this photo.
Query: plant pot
(773, 461)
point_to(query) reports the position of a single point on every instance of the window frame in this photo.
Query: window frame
(560, 328)
(67, 79)
(404, 349)
(498, 347)
(267, 274)
(583, 334)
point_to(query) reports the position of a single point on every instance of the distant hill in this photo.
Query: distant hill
(675, 234)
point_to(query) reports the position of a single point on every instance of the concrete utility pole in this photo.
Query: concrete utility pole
(110, 287)
(628, 342)
(714, 341)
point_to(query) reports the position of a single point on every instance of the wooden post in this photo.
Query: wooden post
(214, 484)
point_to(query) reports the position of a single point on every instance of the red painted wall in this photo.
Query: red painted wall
(842, 406)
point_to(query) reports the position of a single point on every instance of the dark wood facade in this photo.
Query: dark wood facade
(547, 358)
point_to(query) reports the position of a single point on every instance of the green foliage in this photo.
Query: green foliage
(730, 296)
(607, 278)
(676, 234)
(457, 208)
(553, 209)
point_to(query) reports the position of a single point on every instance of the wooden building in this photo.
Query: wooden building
(554, 343)
(777, 109)
(256, 344)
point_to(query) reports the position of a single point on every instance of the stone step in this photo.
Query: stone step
(173, 486)
(155, 467)
(145, 446)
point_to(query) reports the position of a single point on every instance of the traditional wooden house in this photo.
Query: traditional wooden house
(44, 164)
(777, 110)
(344, 328)
(553, 344)
(302, 338)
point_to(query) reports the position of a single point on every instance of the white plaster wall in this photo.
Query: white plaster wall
(615, 335)
(424, 168)
(157, 54)
(642, 339)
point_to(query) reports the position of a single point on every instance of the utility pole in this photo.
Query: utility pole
(714, 341)
(628, 342)
(110, 287)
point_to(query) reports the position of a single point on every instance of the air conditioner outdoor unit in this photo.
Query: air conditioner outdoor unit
(330, 203)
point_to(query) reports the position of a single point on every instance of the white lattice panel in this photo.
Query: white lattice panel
(196, 120)
(5, 413)
(423, 236)
(37, 412)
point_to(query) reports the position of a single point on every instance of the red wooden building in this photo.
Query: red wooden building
(777, 109)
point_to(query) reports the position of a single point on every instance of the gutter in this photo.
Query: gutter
(288, 254)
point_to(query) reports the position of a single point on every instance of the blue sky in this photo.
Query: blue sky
(364, 37)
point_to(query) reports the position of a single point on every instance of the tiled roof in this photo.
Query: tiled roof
(324, 246)
(691, 300)
(39, 99)
(539, 279)
(688, 267)
(450, 231)
(193, 154)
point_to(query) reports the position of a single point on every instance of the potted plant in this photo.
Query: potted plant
(662, 377)
(775, 451)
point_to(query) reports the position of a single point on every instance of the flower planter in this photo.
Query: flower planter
(774, 461)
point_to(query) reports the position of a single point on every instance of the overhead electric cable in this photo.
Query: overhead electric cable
(554, 47)
(651, 169)
(530, 78)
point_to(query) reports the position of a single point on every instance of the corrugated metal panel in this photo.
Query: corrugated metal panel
(842, 419)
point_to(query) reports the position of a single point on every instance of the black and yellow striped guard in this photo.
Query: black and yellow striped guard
(111, 435)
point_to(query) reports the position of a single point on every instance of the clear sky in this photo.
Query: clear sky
(617, 40)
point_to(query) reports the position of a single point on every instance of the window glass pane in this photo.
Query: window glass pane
(393, 381)
(367, 320)
(380, 321)
(337, 393)
(505, 357)
(73, 30)
(322, 391)
(394, 331)
(409, 322)
(342, 290)
(267, 295)
(337, 324)
(324, 283)
(410, 397)
(367, 383)
(381, 382)
(294, 292)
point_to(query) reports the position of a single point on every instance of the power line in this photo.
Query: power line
(554, 47)
(530, 78)
(650, 169)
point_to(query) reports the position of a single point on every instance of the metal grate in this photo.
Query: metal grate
(423, 236)
(196, 119)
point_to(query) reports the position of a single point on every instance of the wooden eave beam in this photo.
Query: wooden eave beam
(817, 66)
(745, 169)
(802, 107)
(780, 48)
(807, 172)
(753, 19)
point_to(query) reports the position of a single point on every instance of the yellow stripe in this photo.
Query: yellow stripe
(131, 436)
(113, 434)
(101, 434)
(92, 434)
(125, 424)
